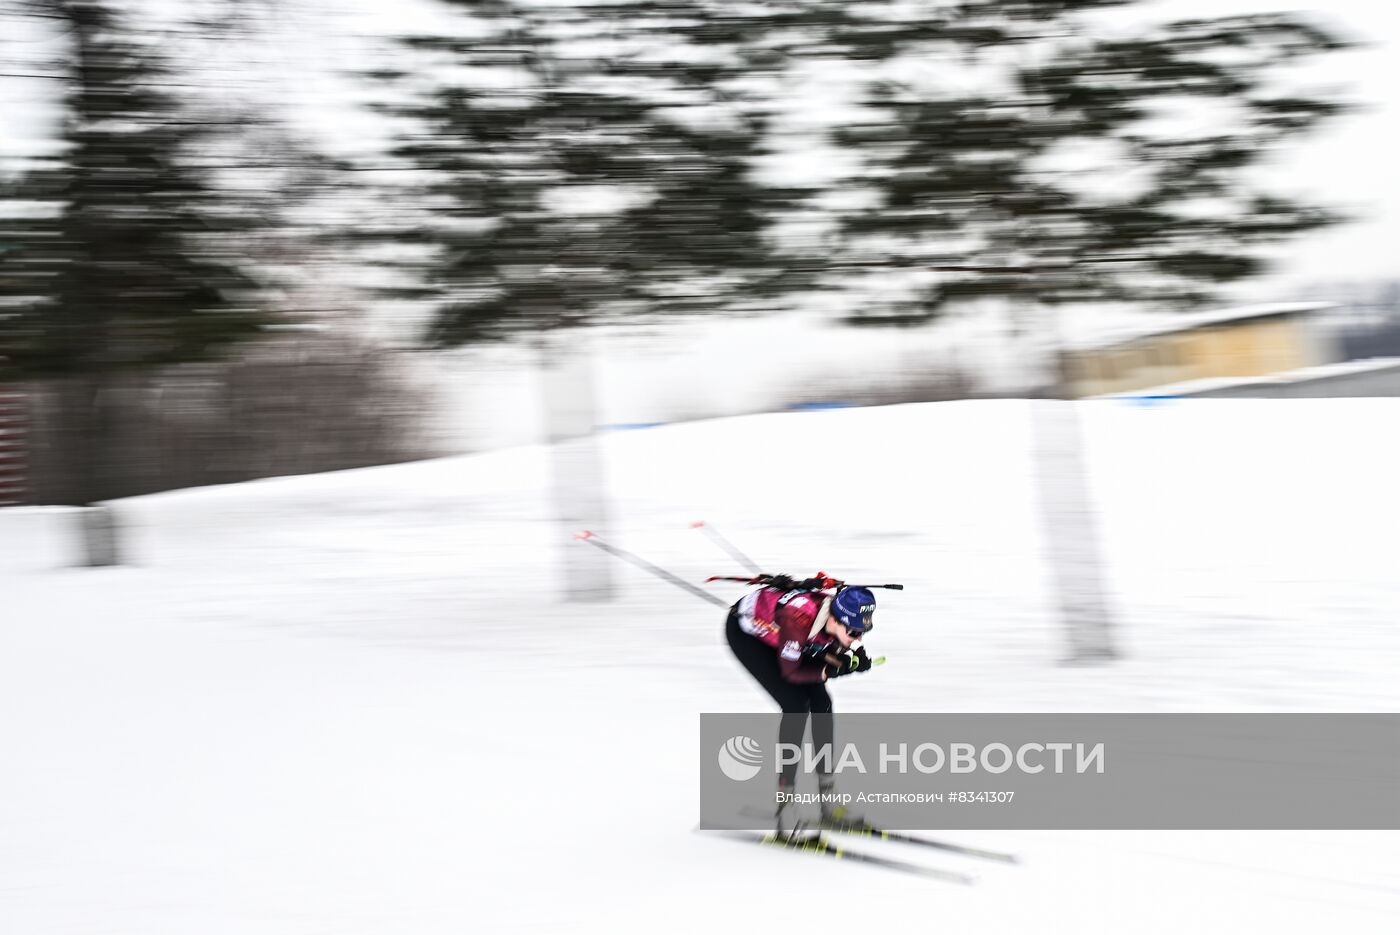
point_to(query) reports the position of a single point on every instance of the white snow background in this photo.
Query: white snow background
(353, 702)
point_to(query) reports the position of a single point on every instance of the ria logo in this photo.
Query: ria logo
(740, 758)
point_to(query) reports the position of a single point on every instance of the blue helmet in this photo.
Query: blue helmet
(853, 607)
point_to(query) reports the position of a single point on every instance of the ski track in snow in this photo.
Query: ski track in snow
(353, 703)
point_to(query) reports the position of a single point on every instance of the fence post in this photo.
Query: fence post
(14, 446)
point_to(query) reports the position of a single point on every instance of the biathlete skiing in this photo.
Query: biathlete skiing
(793, 637)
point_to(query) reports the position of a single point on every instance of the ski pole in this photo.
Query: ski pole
(642, 563)
(718, 539)
(663, 574)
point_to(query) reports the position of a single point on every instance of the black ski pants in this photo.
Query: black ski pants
(797, 702)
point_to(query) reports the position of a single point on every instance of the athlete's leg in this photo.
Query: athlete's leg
(794, 701)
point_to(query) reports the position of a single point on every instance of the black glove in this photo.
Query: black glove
(850, 662)
(836, 670)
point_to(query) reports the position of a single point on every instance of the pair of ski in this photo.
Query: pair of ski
(819, 842)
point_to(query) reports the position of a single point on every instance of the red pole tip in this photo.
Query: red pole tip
(583, 535)
(697, 524)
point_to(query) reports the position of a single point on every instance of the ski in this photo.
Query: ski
(822, 846)
(870, 831)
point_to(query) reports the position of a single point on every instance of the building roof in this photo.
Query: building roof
(1108, 330)
(1301, 375)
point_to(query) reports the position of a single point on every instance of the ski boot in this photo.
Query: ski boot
(788, 829)
(836, 815)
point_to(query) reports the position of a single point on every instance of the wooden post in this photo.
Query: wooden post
(14, 446)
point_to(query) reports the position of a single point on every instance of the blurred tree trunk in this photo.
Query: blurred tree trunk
(1069, 519)
(578, 482)
(1070, 527)
(83, 453)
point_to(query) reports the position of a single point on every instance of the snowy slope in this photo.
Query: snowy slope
(352, 703)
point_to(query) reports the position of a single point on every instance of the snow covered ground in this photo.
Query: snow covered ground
(353, 703)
